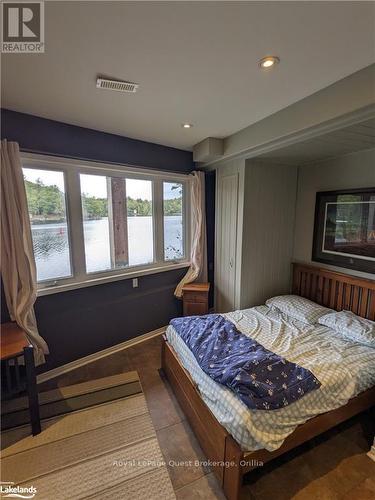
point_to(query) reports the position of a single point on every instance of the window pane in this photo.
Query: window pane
(140, 225)
(95, 222)
(45, 191)
(113, 239)
(173, 221)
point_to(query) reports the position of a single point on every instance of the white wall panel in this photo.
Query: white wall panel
(269, 208)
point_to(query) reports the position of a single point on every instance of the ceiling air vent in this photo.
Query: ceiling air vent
(117, 85)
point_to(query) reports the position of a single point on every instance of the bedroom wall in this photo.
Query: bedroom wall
(268, 228)
(356, 170)
(265, 228)
(39, 135)
(225, 281)
(83, 321)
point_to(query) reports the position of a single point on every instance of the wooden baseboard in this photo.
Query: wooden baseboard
(60, 370)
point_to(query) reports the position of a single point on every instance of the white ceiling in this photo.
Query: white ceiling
(344, 141)
(195, 62)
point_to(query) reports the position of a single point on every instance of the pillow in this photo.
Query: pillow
(351, 326)
(298, 307)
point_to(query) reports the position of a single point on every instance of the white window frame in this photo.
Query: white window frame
(73, 203)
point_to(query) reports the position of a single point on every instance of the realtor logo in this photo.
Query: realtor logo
(23, 27)
(8, 490)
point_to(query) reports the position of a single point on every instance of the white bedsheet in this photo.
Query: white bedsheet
(344, 369)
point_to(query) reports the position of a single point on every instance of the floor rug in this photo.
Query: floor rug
(93, 447)
(15, 412)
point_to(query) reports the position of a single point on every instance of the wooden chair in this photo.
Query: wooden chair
(16, 379)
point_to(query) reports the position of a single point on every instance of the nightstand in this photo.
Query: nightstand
(195, 298)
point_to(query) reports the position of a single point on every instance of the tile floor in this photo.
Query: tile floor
(331, 467)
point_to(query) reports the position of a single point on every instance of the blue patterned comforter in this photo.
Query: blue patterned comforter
(260, 378)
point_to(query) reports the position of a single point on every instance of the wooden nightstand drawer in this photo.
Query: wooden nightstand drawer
(195, 308)
(195, 299)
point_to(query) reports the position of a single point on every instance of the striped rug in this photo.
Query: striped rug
(94, 447)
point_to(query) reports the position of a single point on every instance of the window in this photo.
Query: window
(92, 222)
(117, 222)
(94, 198)
(45, 191)
(173, 221)
(140, 222)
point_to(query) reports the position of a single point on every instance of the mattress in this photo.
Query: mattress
(344, 368)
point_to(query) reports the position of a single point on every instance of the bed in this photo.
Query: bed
(236, 439)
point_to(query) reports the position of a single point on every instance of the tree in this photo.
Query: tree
(44, 201)
(48, 202)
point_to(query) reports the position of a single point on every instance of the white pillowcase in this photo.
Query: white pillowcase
(351, 326)
(298, 307)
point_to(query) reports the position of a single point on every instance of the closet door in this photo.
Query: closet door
(226, 241)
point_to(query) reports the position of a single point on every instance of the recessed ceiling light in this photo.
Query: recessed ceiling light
(186, 125)
(268, 62)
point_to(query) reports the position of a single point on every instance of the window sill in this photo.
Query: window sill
(108, 279)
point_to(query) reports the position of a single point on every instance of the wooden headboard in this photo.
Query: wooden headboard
(335, 290)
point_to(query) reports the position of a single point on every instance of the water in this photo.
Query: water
(51, 248)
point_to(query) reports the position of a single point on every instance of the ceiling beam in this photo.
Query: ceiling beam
(347, 102)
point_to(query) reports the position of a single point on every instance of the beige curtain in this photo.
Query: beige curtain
(198, 267)
(17, 258)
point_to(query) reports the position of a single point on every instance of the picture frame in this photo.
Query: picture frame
(344, 229)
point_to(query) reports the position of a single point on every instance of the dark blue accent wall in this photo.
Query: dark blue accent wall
(87, 320)
(80, 322)
(40, 135)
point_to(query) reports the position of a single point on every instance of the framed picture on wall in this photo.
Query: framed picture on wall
(344, 231)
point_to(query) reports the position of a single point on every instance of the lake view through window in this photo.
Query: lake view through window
(120, 226)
